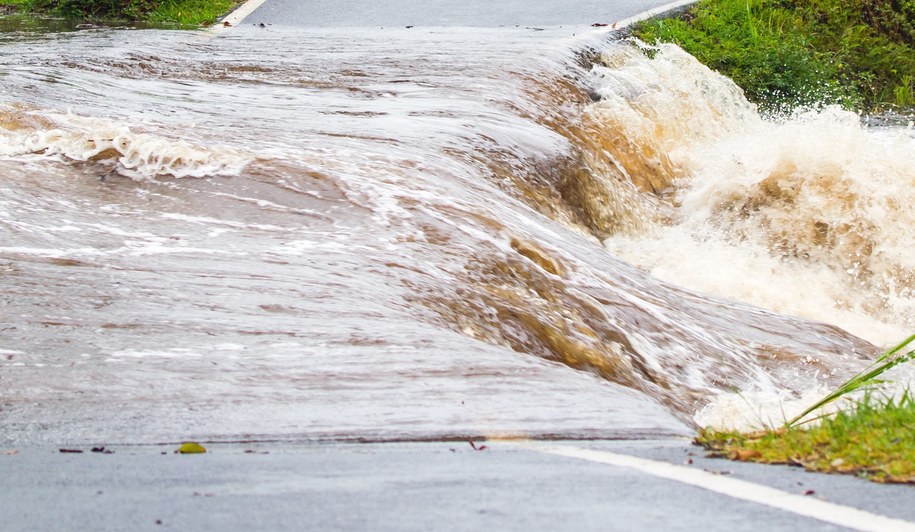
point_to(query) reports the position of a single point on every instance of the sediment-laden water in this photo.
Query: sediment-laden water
(425, 232)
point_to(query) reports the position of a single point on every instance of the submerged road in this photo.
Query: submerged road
(637, 485)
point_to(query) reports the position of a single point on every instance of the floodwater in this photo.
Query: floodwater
(316, 233)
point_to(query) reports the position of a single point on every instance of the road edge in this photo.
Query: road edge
(236, 16)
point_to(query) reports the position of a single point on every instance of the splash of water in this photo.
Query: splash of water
(806, 215)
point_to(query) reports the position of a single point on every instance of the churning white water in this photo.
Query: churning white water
(807, 215)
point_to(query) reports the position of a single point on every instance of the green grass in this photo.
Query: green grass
(875, 439)
(799, 53)
(864, 380)
(12, 6)
(189, 12)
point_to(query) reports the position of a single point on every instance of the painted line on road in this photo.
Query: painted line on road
(741, 489)
(620, 24)
(236, 17)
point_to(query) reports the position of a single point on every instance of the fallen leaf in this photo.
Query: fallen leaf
(73, 451)
(11, 452)
(744, 455)
(191, 448)
(809, 492)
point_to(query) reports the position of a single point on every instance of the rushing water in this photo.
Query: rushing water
(417, 233)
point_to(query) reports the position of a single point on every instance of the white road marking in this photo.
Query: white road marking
(741, 489)
(236, 17)
(620, 24)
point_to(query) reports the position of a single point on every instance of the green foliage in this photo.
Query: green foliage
(98, 9)
(167, 11)
(875, 439)
(791, 53)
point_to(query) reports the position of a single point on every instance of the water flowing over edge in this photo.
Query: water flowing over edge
(644, 152)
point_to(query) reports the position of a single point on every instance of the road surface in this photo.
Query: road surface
(412, 486)
(368, 13)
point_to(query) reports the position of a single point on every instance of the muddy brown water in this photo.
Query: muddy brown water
(394, 234)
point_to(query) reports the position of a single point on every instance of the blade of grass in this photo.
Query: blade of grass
(866, 378)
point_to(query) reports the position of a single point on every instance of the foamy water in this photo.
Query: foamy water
(806, 215)
(416, 237)
(114, 146)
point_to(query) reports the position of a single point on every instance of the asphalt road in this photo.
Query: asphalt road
(406, 486)
(411, 486)
(368, 13)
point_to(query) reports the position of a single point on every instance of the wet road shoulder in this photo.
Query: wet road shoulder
(408, 486)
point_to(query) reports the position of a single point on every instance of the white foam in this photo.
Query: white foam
(117, 146)
(808, 215)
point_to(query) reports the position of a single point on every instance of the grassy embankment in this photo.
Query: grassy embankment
(790, 53)
(787, 54)
(185, 12)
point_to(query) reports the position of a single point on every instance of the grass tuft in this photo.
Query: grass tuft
(864, 380)
(875, 439)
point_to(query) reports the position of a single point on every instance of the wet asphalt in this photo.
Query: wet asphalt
(474, 13)
(402, 486)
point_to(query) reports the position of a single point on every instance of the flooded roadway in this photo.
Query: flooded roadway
(352, 233)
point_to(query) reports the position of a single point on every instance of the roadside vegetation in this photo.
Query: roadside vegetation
(186, 12)
(800, 53)
(874, 438)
